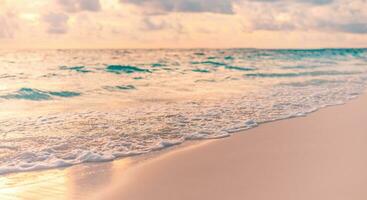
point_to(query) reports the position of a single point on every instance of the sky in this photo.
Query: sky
(182, 23)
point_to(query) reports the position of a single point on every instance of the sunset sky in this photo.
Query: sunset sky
(182, 23)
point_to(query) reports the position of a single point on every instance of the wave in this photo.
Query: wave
(158, 65)
(295, 74)
(225, 65)
(229, 58)
(199, 54)
(120, 87)
(80, 69)
(201, 70)
(38, 95)
(301, 67)
(118, 69)
(313, 82)
(212, 63)
(239, 68)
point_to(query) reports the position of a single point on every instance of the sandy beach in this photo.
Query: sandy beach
(183, 100)
(320, 156)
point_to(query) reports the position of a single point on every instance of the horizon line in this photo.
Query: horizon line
(186, 48)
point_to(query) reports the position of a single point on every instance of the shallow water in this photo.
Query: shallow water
(64, 107)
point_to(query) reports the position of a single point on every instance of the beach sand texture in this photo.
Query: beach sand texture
(319, 157)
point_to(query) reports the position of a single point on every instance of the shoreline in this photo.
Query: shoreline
(184, 143)
(128, 177)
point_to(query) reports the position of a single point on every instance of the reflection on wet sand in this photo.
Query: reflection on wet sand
(77, 182)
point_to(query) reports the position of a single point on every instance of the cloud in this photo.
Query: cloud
(270, 26)
(183, 23)
(310, 16)
(190, 6)
(315, 2)
(80, 5)
(352, 27)
(359, 28)
(57, 23)
(149, 25)
(318, 2)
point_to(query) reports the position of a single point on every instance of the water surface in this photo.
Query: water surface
(64, 107)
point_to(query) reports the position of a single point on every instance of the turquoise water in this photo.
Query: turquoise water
(65, 107)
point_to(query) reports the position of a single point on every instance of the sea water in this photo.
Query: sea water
(65, 107)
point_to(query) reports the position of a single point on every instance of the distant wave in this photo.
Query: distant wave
(312, 73)
(118, 69)
(313, 82)
(201, 70)
(38, 95)
(212, 63)
(239, 68)
(120, 87)
(81, 69)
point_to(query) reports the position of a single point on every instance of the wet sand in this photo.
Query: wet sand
(319, 157)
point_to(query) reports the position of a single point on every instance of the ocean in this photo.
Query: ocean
(64, 107)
